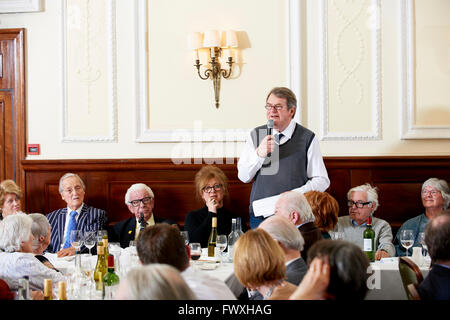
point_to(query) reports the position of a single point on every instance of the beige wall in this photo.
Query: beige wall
(352, 79)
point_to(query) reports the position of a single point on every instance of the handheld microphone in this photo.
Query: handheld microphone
(269, 131)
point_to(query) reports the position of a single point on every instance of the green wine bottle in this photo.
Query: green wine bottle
(212, 238)
(369, 241)
(110, 280)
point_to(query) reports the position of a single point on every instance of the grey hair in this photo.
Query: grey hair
(283, 231)
(157, 282)
(372, 194)
(137, 187)
(68, 175)
(39, 228)
(440, 185)
(14, 229)
(296, 201)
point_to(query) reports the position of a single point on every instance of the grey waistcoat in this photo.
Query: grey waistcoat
(286, 168)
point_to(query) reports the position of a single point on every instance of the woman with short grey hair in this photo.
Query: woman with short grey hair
(16, 257)
(435, 195)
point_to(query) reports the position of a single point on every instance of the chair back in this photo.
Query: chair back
(5, 292)
(411, 277)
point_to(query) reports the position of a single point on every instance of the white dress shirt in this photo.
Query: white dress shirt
(206, 287)
(249, 163)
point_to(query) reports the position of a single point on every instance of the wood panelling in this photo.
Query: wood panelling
(398, 179)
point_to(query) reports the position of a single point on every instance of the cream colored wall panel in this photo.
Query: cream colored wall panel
(350, 69)
(88, 70)
(425, 69)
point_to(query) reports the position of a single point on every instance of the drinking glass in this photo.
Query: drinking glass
(76, 239)
(196, 251)
(100, 234)
(221, 244)
(185, 236)
(89, 240)
(421, 240)
(407, 239)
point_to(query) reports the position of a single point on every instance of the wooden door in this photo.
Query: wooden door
(12, 105)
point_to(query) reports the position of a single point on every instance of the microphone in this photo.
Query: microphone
(269, 131)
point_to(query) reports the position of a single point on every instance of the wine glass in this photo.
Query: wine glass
(185, 236)
(407, 239)
(221, 244)
(196, 251)
(421, 240)
(89, 240)
(76, 239)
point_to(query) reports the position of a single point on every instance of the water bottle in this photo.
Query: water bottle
(232, 238)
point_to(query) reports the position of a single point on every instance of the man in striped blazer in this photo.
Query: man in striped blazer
(76, 216)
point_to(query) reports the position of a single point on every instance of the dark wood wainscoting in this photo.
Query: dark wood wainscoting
(398, 179)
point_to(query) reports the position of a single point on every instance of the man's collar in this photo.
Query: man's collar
(289, 129)
(77, 210)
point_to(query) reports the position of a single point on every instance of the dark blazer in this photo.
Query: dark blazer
(125, 230)
(90, 219)
(436, 285)
(310, 234)
(296, 270)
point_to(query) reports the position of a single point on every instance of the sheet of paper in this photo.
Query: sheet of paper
(265, 207)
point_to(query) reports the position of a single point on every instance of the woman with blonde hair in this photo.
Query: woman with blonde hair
(259, 264)
(10, 195)
(211, 186)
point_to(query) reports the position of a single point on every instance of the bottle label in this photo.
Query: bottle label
(367, 245)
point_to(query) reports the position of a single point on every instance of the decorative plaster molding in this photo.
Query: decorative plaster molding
(111, 77)
(408, 79)
(19, 6)
(375, 134)
(143, 134)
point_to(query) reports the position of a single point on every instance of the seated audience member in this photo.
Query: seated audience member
(436, 285)
(435, 196)
(362, 203)
(10, 195)
(325, 209)
(154, 282)
(76, 216)
(140, 201)
(211, 186)
(163, 243)
(294, 206)
(41, 233)
(259, 264)
(16, 256)
(337, 271)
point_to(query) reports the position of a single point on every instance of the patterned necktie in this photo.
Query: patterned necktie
(278, 138)
(72, 226)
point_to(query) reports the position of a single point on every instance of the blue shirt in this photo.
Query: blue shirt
(417, 225)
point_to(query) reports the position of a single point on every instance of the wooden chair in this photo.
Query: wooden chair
(411, 277)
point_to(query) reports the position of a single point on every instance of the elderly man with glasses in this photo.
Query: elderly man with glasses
(287, 158)
(140, 200)
(362, 203)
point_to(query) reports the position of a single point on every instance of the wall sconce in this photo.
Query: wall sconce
(213, 41)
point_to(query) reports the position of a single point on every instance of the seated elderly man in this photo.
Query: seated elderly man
(76, 216)
(436, 285)
(294, 206)
(140, 200)
(362, 203)
(163, 243)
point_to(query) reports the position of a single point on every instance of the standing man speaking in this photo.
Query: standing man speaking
(280, 156)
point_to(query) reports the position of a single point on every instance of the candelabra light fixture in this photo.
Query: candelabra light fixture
(218, 46)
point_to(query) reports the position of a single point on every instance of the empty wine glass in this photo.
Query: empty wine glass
(185, 236)
(76, 239)
(221, 244)
(421, 240)
(90, 240)
(407, 239)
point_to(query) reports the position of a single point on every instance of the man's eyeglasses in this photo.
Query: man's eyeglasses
(216, 187)
(70, 190)
(432, 192)
(137, 202)
(269, 106)
(358, 204)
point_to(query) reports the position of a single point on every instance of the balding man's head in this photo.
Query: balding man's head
(283, 231)
(437, 238)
